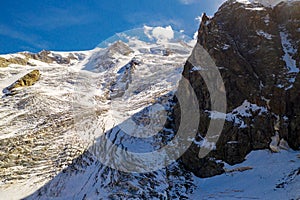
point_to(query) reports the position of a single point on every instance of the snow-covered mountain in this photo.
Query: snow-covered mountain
(79, 97)
(54, 129)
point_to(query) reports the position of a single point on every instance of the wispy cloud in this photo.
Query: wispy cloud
(31, 39)
(56, 18)
(199, 19)
(187, 2)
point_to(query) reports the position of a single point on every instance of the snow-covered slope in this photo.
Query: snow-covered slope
(43, 128)
(263, 175)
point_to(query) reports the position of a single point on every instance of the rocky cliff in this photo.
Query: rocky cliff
(256, 49)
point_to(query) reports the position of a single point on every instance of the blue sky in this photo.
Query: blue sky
(30, 25)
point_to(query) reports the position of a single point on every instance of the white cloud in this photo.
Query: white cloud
(163, 34)
(199, 19)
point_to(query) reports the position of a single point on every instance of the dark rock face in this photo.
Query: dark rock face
(257, 52)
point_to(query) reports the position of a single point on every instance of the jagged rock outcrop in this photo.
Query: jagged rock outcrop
(124, 78)
(16, 60)
(50, 57)
(27, 80)
(257, 51)
(120, 48)
(25, 58)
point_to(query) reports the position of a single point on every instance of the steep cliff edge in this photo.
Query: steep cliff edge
(256, 49)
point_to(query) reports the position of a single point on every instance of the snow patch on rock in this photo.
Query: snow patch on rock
(264, 34)
(237, 115)
(289, 51)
